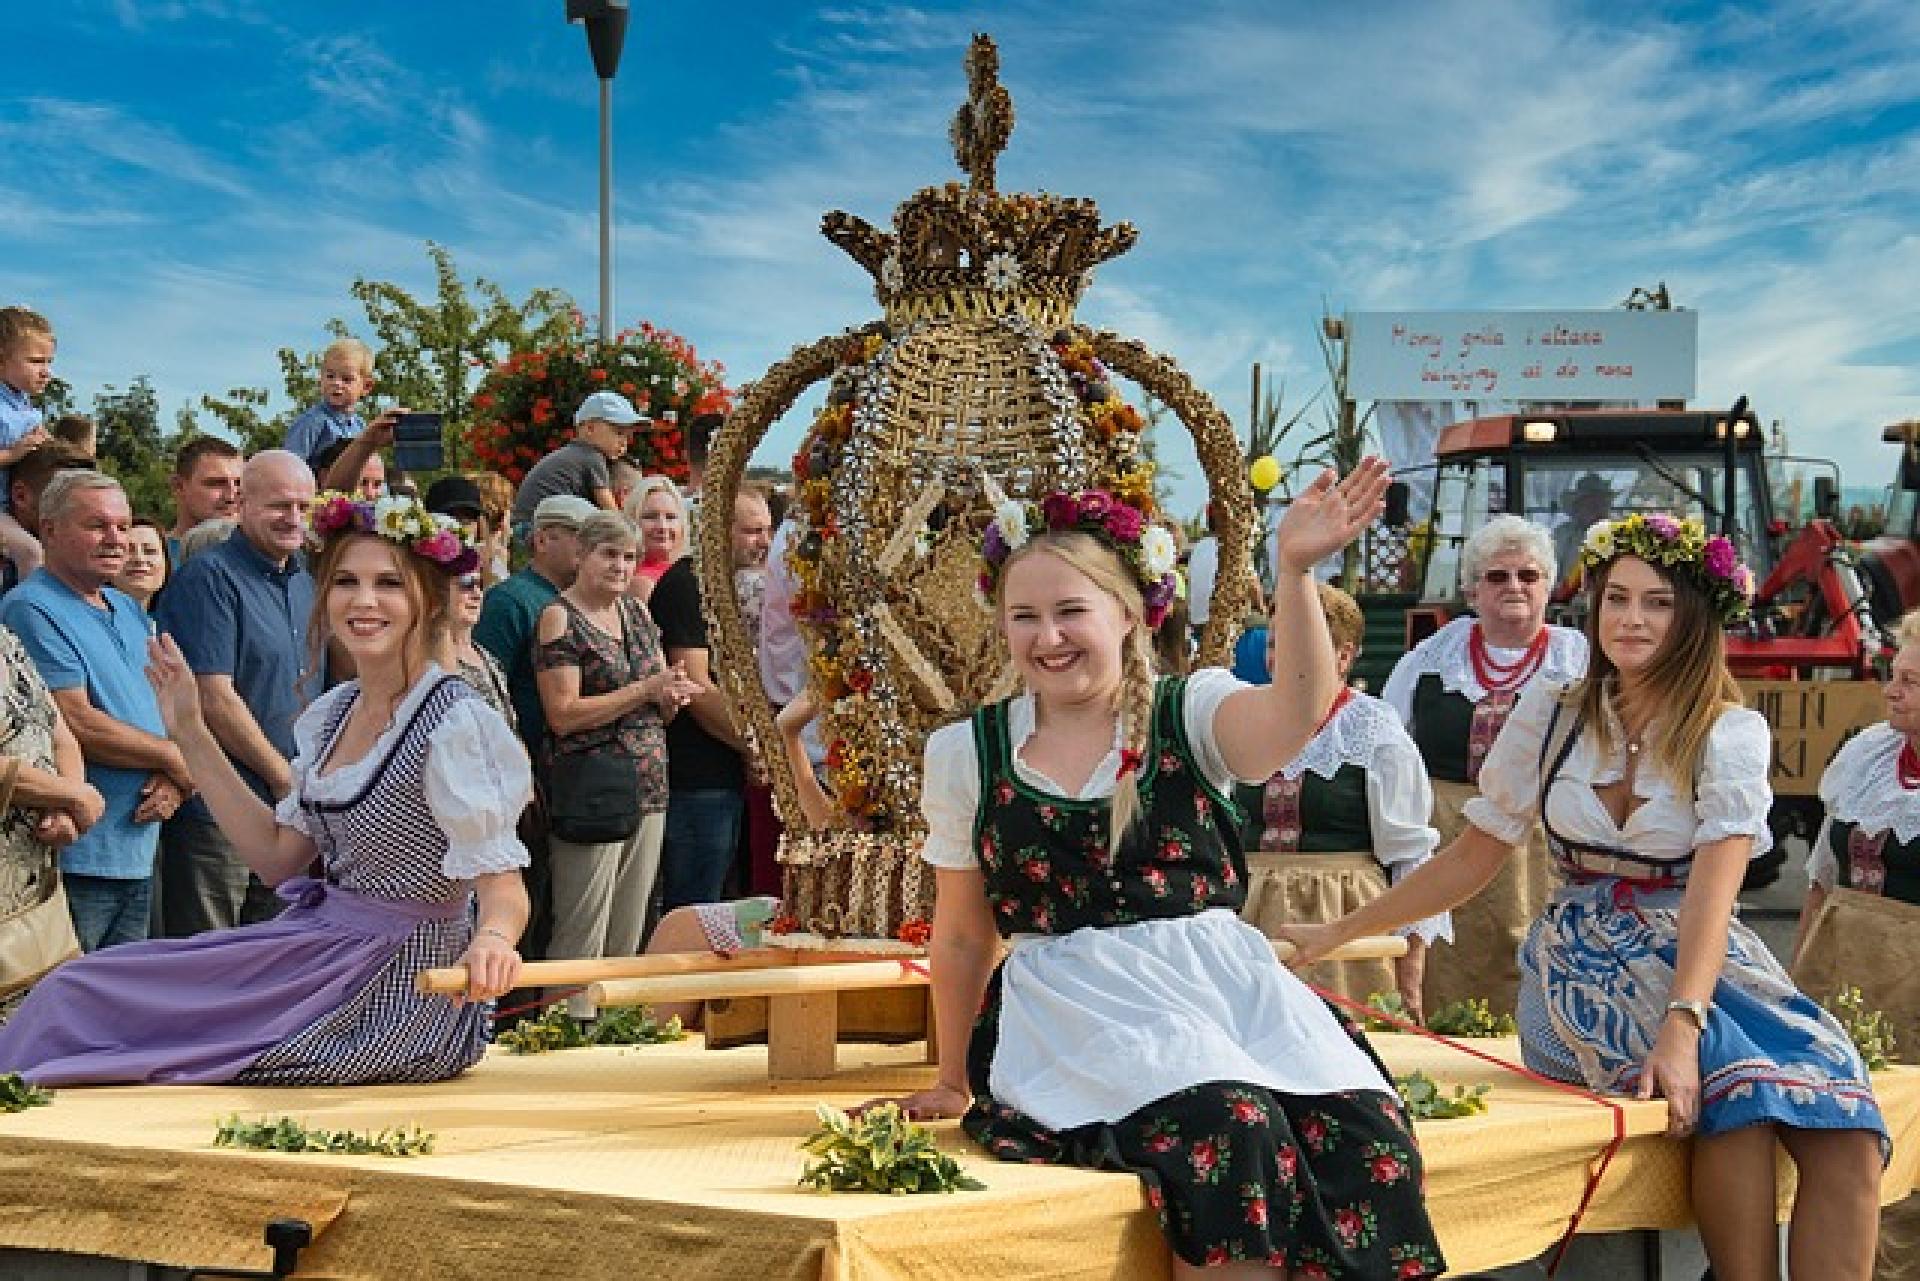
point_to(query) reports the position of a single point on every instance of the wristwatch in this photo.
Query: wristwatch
(1695, 1010)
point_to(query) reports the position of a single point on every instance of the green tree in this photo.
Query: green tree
(132, 446)
(429, 353)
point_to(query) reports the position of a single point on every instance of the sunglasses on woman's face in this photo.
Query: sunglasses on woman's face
(468, 583)
(1499, 577)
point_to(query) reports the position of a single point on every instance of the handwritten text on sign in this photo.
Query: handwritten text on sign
(1522, 355)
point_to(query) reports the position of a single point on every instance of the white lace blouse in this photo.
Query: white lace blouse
(477, 777)
(1862, 787)
(1445, 655)
(1731, 794)
(1399, 795)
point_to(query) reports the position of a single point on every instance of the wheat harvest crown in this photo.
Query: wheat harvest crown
(1004, 251)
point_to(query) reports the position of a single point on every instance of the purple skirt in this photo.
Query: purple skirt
(201, 1010)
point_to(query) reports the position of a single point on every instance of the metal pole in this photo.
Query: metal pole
(606, 210)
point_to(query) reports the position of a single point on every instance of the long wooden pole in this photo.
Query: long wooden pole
(777, 966)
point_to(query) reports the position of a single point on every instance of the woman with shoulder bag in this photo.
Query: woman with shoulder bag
(45, 804)
(607, 691)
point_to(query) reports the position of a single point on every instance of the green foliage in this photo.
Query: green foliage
(1872, 1034)
(1427, 1101)
(879, 1151)
(132, 446)
(284, 1134)
(556, 1029)
(1471, 1018)
(17, 1096)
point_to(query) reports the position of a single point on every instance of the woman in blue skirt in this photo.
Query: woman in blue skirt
(1651, 781)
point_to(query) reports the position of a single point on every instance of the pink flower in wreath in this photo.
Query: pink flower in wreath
(1720, 557)
(440, 547)
(1665, 526)
(1060, 510)
(1125, 523)
(1095, 504)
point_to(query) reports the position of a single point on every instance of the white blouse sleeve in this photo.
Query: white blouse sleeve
(1207, 689)
(1733, 795)
(950, 797)
(1509, 800)
(1400, 810)
(1397, 693)
(306, 748)
(1823, 865)
(477, 782)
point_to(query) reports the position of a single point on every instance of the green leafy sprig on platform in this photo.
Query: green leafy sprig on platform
(879, 1151)
(556, 1029)
(284, 1134)
(1427, 1100)
(17, 1096)
(1870, 1031)
(1471, 1017)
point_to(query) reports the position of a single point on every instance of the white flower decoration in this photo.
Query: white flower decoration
(1003, 273)
(393, 516)
(1157, 552)
(1599, 540)
(891, 275)
(1011, 518)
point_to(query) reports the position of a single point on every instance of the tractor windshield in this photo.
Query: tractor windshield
(1565, 494)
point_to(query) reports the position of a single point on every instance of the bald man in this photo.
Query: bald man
(239, 613)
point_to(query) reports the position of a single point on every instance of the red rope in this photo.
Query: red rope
(1618, 1112)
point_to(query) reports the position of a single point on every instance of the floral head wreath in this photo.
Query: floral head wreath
(398, 519)
(1682, 547)
(1144, 548)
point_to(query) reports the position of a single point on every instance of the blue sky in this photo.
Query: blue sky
(186, 185)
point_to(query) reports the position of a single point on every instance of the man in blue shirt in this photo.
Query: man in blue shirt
(89, 641)
(240, 614)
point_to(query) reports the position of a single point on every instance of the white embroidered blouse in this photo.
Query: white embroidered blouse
(1445, 654)
(1862, 787)
(1731, 796)
(477, 777)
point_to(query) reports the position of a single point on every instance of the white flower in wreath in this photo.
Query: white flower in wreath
(1599, 540)
(1157, 552)
(892, 276)
(1003, 273)
(393, 516)
(1010, 518)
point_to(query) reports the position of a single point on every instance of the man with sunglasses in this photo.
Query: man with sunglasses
(1454, 691)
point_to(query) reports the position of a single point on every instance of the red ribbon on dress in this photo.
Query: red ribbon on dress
(1130, 762)
(1618, 1112)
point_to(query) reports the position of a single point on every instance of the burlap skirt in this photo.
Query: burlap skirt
(1483, 959)
(1313, 889)
(1873, 943)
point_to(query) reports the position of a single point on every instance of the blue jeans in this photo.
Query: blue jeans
(703, 836)
(107, 910)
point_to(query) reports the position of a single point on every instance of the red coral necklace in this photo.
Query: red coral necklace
(1909, 766)
(1503, 678)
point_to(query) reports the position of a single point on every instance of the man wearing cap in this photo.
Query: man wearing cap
(458, 497)
(508, 618)
(603, 425)
(1588, 501)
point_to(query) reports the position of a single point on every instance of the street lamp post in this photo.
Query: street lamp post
(606, 24)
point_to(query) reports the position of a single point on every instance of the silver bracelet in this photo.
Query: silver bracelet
(500, 934)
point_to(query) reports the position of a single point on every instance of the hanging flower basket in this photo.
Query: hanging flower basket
(523, 410)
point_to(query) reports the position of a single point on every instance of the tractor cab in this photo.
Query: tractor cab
(1566, 469)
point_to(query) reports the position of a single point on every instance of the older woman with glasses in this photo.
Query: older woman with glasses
(469, 661)
(1454, 691)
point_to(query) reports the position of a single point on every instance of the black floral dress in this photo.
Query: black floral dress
(1324, 1185)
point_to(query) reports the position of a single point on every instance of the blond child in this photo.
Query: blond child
(346, 375)
(26, 367)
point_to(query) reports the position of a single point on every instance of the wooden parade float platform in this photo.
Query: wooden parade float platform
(674, 1161)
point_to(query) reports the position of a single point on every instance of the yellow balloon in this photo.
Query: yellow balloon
(1265, 472)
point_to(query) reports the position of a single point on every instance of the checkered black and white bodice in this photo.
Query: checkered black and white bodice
(384, 840)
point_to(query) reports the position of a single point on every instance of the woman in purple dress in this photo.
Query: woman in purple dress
(406, 789)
